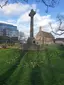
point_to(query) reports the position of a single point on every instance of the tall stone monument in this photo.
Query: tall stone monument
(32, 13)
(31, 42)
(31, 39)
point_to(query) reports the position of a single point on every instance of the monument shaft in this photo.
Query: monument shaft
(31, 27)
(32, 13)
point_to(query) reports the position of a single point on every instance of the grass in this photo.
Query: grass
(33, 67)
(7, 58)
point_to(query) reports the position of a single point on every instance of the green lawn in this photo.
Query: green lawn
(45, 67)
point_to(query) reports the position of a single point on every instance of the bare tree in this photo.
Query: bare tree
(47, 3)
(3, 3)
(60, 25)
(50, 3)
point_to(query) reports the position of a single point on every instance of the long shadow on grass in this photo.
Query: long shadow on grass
(4, 77)
(51, 69)
(36, 77)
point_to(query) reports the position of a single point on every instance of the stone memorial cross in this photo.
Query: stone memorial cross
(31, 14)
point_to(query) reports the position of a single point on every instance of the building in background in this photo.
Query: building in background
(59, 41)
(44, 37)
(10, 31)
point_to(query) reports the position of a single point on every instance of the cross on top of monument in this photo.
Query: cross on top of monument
(32, 13)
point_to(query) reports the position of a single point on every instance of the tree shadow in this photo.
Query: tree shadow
(36, 77)
(5, 76)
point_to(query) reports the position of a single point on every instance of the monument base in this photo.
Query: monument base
(31, 44)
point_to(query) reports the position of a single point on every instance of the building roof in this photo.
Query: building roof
(59, 39)
(45, 34)
(8, 26)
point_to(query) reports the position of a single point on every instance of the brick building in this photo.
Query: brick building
(44, 37)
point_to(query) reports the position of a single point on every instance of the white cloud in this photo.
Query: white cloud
(42, 20)
(8, 22)
(25, 17)
(16, 9)
(11, 21)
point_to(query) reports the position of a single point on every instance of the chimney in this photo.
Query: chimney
(40, 29)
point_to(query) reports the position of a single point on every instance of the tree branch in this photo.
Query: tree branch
(5, 3)
(58, 33)
(58, 30)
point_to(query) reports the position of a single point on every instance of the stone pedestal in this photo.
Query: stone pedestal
(31, 44)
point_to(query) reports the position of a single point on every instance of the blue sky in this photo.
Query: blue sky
(53, 11)
(17, 14)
